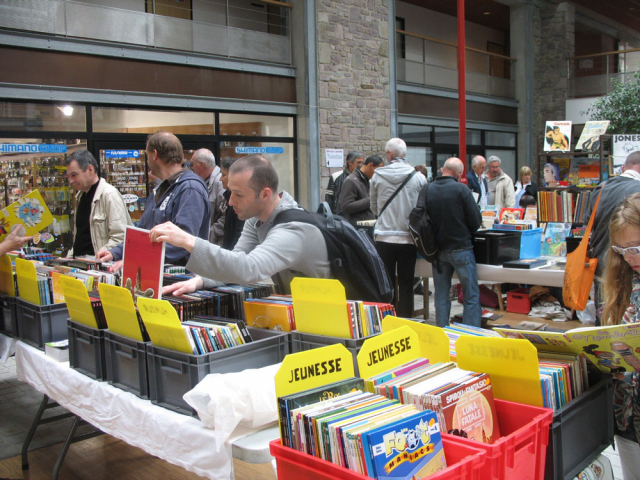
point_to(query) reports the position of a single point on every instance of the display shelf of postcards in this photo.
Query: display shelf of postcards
(129, 176)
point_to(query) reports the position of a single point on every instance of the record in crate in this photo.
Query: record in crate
(143, 264)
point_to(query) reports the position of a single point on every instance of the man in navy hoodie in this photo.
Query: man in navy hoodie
(455, 217)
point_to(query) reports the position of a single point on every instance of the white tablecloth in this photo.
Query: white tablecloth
(176, 438)
(499, 274)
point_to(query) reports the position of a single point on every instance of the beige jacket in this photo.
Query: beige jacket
(109, 217)
(505, 192)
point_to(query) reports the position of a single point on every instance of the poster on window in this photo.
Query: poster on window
(557, 136)
(623, 146)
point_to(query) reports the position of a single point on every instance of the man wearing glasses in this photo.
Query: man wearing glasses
(617, 188)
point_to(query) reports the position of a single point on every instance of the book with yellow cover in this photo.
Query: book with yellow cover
(610, 349)
(29, 211)
(274, 314)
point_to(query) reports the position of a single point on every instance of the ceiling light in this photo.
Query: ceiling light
(487, 13)
(67, 110)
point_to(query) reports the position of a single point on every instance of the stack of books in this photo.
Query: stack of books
(209, 334)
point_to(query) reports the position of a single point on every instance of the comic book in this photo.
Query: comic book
(555, 243)
(30, 212)
(143, 264)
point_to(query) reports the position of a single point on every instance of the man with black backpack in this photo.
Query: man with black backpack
(279, 240)
(455, 216)
(394, 191)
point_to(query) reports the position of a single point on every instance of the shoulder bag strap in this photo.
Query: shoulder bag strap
(397, 191)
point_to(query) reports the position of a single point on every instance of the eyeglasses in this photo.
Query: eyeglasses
(630, 250)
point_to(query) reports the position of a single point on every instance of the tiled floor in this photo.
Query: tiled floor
(19, 403)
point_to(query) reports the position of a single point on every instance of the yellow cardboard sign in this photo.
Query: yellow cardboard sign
(7, 286)
(163, 325)
(313, 368)
(388, 350)
(27, 281)
(78, 303)
(320, 307)
(512, 365)
(434, 343)
(120, 311)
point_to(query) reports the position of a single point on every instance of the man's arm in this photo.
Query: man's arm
(373, 195)
(117, 219)
(191, 208)
(471, 210)
(348, 203)
(510, 196)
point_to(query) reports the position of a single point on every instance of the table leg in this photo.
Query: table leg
(498, 289)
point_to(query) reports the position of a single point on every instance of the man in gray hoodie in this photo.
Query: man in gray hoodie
(263, 250)
(393, 241)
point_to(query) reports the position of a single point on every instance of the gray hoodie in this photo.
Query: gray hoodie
(394, 221)
(263, 250)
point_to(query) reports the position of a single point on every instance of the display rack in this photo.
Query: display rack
(128, 175)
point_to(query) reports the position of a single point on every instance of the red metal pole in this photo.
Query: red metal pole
(462, 88)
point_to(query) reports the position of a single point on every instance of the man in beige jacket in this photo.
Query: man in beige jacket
(501, 190)
(101, 217)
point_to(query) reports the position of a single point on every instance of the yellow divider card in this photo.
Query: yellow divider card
(120, 311)
(313, 368)
(320, 307)
(388, 350)
(434, 343)
(512, 365)
(27, 281)
(163, 325)
(78, 303)
(6, 277)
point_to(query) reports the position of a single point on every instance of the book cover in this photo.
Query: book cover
(410, 448)
(589, 140)
(557, 136)
(531, 213)
(273, 315)
(490, 211)
(550, 175)
(510, 215)
(143, 264)
(525, 263)
(30, 212)
(554, 243)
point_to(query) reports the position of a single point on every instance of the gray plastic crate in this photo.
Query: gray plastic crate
(127, 364)
(8, 323)
(172, 374)
(40, 324)
(580, 431)
(86, 350)
(301, 342)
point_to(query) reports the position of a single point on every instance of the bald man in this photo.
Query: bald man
(454, 226)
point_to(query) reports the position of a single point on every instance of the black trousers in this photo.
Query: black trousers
(400, 259)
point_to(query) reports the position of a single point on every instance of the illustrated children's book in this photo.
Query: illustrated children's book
(610, 349)
(511, 215)
(143, 264)
(589, 140)
(555, 243)
(557, 136)
(29, 212)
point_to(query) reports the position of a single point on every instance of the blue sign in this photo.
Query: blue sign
(122, 153)
(32, 148)
(260, 150)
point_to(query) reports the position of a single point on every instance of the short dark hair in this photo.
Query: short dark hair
(168, 147)
(84, 158)
(226, 162)
(353, 156)
(527, 201)
(263, 174)
(375, 159)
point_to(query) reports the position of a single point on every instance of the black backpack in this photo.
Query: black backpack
(421, 228)
(352, 254)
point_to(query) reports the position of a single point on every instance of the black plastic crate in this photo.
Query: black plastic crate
(172, 373)
(580, 431)
(301, 342)
(8, 320)
(495, 247)
(40, 324)
(127, 363)
(86, 350)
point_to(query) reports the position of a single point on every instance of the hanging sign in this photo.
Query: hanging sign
(129, 198)
(122, 154)
(32, 148)
(259, 150)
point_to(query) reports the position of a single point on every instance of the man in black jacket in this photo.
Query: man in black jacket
(455, 218)
(354, 200)
(354, 160)
(477, 181)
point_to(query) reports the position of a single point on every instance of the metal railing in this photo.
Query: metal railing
(97, 22)
(432, 62)
(594, 75)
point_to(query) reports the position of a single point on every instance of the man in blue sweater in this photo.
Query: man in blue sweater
(455, 217)
(181, 198)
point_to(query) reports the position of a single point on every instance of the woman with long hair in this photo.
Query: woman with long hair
(622, 305)
(525, 186)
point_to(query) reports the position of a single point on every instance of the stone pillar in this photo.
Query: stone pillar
(353, 77)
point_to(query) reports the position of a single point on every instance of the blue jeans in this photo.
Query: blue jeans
(464, 264)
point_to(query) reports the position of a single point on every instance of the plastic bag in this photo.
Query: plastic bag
(588, 315)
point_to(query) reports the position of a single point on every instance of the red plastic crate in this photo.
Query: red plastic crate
(518, 301)
(465, 462)
(520, 452)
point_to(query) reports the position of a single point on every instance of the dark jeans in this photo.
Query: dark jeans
(400, 258)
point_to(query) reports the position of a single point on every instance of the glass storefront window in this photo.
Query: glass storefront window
(450, 136)
(508, 159)
(414, 133)
(35, 117)
(121, 120)
(255, 125)
(500, 139)
(29, 164)
(279, 154)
